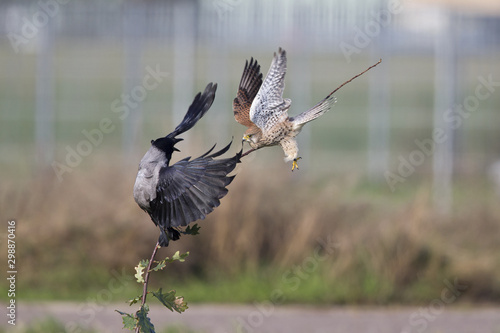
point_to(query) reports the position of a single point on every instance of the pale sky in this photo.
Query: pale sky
(491, 7)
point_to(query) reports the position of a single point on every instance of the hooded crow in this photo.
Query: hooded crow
(175, 195)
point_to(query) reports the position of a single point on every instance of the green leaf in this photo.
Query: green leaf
(140, 270)
(144, 323)
(134, 300)
(180, 305)
(167, 299)
(194, 230)
(161, 265)
(129, 321)
(170, 301)
(180, 257)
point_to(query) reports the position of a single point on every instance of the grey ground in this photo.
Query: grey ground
(265, 317)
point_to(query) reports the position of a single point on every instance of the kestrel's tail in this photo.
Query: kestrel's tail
(314, 112)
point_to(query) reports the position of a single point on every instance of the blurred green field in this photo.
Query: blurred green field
(77, 236)
(74, 236)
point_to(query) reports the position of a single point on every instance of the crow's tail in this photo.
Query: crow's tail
(165, 237)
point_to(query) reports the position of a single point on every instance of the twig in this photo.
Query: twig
(363, 72)
(248, 152)
(146, 278)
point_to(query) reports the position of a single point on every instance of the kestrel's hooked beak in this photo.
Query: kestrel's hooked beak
(245, 138)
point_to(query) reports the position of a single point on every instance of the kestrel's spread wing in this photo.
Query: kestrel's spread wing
(269, 107)
(250, 83)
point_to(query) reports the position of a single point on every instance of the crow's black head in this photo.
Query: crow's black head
(166, 145)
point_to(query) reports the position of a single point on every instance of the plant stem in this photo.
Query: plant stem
(248, 152)
(355, 76)
(146, 278)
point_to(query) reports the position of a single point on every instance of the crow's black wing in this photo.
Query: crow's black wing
(198, 108)
(189, 190)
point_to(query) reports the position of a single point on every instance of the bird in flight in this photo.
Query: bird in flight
(260, 106)
(175, 195)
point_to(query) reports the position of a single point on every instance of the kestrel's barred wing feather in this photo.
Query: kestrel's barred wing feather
(250, 83)
(319, 109)
(197, 109)
(269, 106)
(190, 189)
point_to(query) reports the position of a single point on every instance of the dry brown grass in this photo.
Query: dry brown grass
(90, 222)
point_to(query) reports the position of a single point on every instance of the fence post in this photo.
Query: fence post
(134, 22)
(44, 110)
(379, 118)
(184, 65)
(445, 96)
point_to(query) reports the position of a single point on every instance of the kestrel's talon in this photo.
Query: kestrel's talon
(294, 163)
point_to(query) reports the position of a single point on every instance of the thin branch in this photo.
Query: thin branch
(248, 152)
(148, 270)
(363, 72)
(146, 278)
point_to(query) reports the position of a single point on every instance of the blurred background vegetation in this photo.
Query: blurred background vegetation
(78, 226)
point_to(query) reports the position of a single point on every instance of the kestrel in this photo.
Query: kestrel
(260, 106)
(175, 195)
